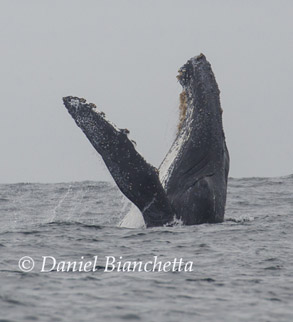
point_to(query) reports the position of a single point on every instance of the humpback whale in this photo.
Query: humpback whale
(191, 183)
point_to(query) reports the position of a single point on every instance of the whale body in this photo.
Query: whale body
(190, 185)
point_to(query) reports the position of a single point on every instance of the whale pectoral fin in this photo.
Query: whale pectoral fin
(137, 179)
(199, 149)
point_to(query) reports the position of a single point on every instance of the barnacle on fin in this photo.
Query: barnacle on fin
(92, 105)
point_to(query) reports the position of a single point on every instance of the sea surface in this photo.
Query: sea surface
(242, 268)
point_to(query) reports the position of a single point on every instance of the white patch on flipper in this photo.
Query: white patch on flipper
(75, 103)
(133, 219)
(167, 166)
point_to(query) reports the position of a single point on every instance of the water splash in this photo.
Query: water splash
(59, 205)
(241, 219)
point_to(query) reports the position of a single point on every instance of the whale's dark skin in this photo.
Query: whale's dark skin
(138, 180)
(194, 186)
(197, 185)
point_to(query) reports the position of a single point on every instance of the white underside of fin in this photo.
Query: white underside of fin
(133, 219)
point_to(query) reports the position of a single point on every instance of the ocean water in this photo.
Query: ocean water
(242, 268)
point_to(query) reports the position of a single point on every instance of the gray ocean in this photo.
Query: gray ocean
(242, 268)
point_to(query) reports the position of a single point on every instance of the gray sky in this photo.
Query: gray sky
(124, 56)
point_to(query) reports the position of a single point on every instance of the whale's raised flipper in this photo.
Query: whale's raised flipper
(138, 180)
(194, 172)
(192, 182)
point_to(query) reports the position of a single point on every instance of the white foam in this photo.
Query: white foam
(241, 219)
